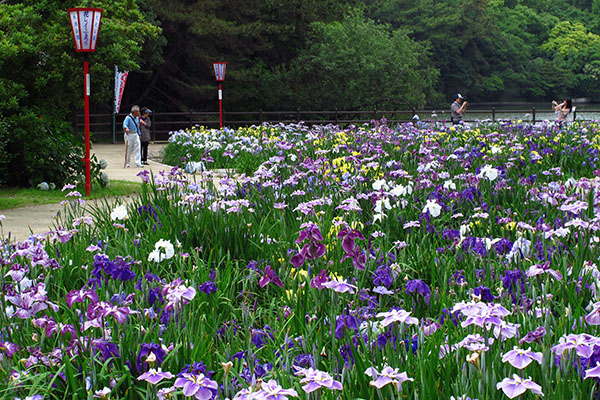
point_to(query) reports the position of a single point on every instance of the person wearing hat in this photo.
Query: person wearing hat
(458, 109)
(131, 130)
(145, 124)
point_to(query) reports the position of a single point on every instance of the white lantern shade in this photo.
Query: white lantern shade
(85, 24)
(219, 68)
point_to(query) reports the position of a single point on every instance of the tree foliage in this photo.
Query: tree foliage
(41, 77)
(288, 54)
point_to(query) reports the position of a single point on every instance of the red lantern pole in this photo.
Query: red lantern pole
(220, 107)
(85, 25)
(86, 102)
(219, 68)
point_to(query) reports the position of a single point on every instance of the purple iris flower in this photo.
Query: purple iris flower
(388, 375)
(485, 294)
(351, 249)
(103, 309)
(208, 287)
(108, 350)
(417, 286)
(542, 268)
(9, 348)
(534, 336)
(269, 276)
(318, 281)
(146, 350)
(312, 249)
(79, 296)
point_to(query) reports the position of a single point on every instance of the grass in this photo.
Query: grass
(23, 197)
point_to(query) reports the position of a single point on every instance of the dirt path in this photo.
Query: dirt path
(19, 223)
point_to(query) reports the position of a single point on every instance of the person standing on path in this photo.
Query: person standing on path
(145, 125)
(131, 129)
(458, 109)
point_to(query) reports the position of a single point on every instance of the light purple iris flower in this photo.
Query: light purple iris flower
(401, 316)
(543, 268)
(517, 386)
(272, 391)
(388, 375)
(315, 379)
(520, 358)
(340, 286)
(593, 372)
(154, 376)
(198, 386)
(593, 318)
(574, 207)
(582, 343)
(177, 294)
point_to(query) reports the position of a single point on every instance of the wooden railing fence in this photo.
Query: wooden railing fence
(101, 125)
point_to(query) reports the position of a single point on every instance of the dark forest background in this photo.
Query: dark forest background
(285, 55)
(389, 54)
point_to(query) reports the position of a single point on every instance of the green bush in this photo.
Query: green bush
(33, 150)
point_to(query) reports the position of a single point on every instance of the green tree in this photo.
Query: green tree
(257, 38)
(41, 83)
(357, 63)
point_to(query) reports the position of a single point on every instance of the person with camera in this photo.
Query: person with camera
(458, 109)
(562, 110)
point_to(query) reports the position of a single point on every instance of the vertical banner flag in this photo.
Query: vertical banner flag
(120, 79)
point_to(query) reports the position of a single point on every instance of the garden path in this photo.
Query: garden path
(21, 222)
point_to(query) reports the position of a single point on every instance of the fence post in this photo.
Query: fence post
(191, 119)
(260, 116)
(336, 117)
(297, 115)
(375, 114)
(493, 114)
(533, 115)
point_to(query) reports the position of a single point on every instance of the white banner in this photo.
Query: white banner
(120, 79)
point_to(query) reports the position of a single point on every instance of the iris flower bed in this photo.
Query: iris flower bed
(373, 262)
